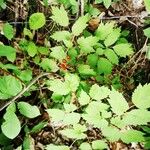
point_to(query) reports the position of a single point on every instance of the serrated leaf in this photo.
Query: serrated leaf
(32, 49)
(85, 70)
(36, 21)
(69, 107)
(58, 53)
(92, 60)
(61, 36)
(80, 25)
(8, 31)
(123, 49)
(132, 136)
(112, 38)
(136, 117)
(11, 119)
(141, 96)
(86, 44)
(84, 98)
(9, 87)
(28, 110)
(111, 56)
(147, 5)
(107, 3)
(49, 65)
(8, 52)
(58, 87)
(60, 16)
(72, 81)
(104, 66)
(99, 93)
(117, 102)
(99, 144)
(57, 147)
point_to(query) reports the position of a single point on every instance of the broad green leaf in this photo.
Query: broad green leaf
(117, 102)
(147, 5)
(36, 21)
(28, 110)
(123, 50)
(112, 38)
(8, 52)
(69, 107)
(104, 30)
(9, 87)
(84, 98)
(104, 66)
(86, 44)
(92, 60)
(61, 36)
(111, 56)
(147, 32)
(136, 117)
(141, 96)
(116, 121)
(26, 75)
(72, 81)
(80, 25)
(99, 144)
(11, 126)
(99, 93)
(107, 3)
(38, 127)
(85, 70)
(43, 50)
(28, 33)
(111, 133)
(8, 31)
(11, 107)
(32, 49)
(60, 16)
(85, 146)
(49, 65)
(56, 115)
(28, 142)
(71, 118)
(57, 147)
(59, 87)
(132, 136)
(58, 53)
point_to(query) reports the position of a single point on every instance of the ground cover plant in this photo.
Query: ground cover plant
(74, 75)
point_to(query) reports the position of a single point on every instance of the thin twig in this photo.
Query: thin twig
(25, 89)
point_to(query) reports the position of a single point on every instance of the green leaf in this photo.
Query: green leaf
(8, 31)
(69, 107)
(38, 127)
(58, 53)
(99, 93)
(80, 25)
(117, 102)
(43, 50)
(8, 52)
(26, 75)
(60, 16)
(92, 60)
(136, 117)
(36, 21)
(85, 70)
(57, 147)
(147, 32)
(112, 38)
(11, 119)
(28, 33)
(104, 66)
(28, 142)
(107, 3)
(86, 44)
(59, 87)
(32, 49)
(9, 87)
(99, 144)
(141, 96)
(61, 36)
(132, 136)
(111, 56)
(28, 110)
(84, 98)
(85, 146)
(72, 81)
(147, 5)
(49, 65)
(123, 49)
(56, 114)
